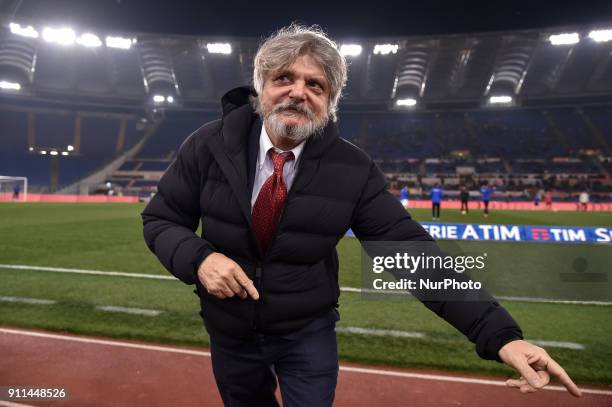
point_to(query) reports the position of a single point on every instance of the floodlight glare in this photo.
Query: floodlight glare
(159, 99)
(43, 152)
(409, 102)
(119, 42)
(6, 85)
(219, 48)
(385, 49)
(28, 31)
(61, 36)
(89, 40)
(503, 99)
(564, 39)
(70, 148)
(170, 99)
(53, 152)
(64, 152)
(601, 35)
(351, 50)
(31, 149)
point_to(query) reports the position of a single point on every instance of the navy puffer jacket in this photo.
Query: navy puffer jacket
(337, 187)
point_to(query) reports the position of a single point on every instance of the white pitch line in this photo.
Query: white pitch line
(380, 372)
(348, 329)
(420, 335)
(105, 342)
(558, 344)
(379, 332)
(343, 289)
(12, 404)
(127, 310)
(84, 271)
(27, 300)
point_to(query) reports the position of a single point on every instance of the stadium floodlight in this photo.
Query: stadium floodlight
(219, 48)
(70, 148)
(61, 36)
(159, 99)
(350, 50)
(500, 100)
(408, 102)
(6, 85)
(170, 99)
(43, 152)
(564, 39)
(53, 152)
(601, 35)
(28, 31)
(119, 42)
(385, 49)
(64, 152)
(89, 40)
(31, 149)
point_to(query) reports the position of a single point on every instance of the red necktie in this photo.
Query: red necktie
(270, 201)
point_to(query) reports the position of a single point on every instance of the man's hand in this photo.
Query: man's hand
(224, 278)
(535, 367)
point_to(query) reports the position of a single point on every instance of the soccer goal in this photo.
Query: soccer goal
(13, 188)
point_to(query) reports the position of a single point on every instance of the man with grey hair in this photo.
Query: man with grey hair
(276, 188)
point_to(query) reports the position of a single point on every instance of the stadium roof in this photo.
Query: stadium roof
(434, 71)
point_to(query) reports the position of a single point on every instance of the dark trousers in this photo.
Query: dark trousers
(464, 206)
(486, 206)
(435, 210)
(306, 365)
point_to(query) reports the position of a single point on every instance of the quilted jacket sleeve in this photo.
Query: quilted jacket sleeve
(380, 217)
(173, 214)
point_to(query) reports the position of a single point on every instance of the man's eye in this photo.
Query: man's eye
(316, 85)
(282, 78)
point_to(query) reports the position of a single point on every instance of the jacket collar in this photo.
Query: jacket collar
(241, 126)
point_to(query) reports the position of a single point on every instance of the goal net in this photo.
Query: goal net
(13, 188)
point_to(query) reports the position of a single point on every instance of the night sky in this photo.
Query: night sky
(340, 19)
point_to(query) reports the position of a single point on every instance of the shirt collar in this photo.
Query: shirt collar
(265, 145)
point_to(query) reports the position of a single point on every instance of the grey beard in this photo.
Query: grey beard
(297, 133)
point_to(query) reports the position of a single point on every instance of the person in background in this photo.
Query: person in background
(548, 199)
(16, 191)
(404, 196)
(538, 197)
(436, 199)
(584, 200)
(485, 192)
(464, 195)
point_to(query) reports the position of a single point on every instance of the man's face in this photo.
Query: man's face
(295, 100)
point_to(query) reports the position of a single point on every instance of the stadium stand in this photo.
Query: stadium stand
(554, 131)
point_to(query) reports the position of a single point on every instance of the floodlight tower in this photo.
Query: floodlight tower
(19, 58)
(510, 70)
(411, 77)
(158, 73)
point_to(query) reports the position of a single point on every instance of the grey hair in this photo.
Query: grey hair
(283, 47)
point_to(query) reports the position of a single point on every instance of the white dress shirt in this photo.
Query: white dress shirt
(265, 168)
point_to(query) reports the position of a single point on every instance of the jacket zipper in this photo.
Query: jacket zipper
(258, 268)
(256, 319)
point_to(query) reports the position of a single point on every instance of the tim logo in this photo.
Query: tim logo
(539, 234)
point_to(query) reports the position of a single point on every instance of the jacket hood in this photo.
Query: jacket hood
(236, 98)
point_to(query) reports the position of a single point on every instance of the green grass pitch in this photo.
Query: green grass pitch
(108, 237)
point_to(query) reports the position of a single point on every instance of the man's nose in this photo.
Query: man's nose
(297, 90)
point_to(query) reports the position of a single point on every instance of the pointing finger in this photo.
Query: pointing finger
(246, 283)
(555, 369)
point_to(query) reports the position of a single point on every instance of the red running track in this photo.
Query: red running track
(108, 372)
